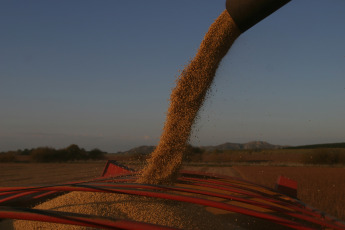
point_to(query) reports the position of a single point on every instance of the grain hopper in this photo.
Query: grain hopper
(246, 205)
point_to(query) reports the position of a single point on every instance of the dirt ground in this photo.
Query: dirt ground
(228, 171)
(27, 174)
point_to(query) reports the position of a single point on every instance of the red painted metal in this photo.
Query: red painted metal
(299, 213)
(74, 219)
(182, 198)
(287, 186)
(113, 168)
(118, 179)
(44, 194)
(16, 196)
(135, 189)
(278, 202)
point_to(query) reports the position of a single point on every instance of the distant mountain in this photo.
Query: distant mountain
(226, 146)
(237, 146)
(140, 150)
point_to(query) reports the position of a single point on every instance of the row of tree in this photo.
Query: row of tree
(48, 154)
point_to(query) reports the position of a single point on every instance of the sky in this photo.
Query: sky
(98, 73)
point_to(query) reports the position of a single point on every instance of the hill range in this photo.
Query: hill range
(226, 146)
(252, 145)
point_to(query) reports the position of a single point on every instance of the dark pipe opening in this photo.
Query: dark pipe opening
(246, 13)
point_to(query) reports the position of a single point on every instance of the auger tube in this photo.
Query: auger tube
(246, 13)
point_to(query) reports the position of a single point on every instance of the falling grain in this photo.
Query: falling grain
(186, 99)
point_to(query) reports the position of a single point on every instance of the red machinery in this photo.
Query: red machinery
(263, 205)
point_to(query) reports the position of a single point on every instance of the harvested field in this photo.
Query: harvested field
(228, 171)
(320, 187)
(28, 174)
(25, 174)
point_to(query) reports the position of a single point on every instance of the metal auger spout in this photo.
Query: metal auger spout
(246, 13)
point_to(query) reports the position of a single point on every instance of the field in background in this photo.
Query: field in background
(329, 156)
(25, 174)
(281, 157)
(320, 187)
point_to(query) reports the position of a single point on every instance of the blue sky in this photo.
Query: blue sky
(99, 73)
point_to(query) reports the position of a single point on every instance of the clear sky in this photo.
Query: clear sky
(98, 73)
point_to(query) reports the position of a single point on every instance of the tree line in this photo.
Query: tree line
(49, 154)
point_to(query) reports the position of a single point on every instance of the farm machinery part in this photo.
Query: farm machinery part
(229, 194)
(247, 13)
